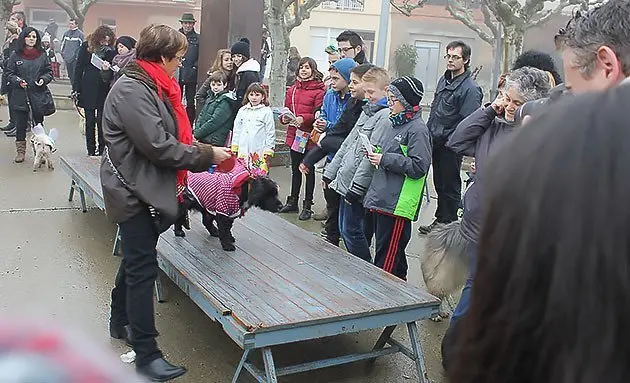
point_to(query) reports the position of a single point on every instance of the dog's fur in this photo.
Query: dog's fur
(445, 264)
(261, 192)
(43, 147)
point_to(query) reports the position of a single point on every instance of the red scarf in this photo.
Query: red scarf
(30, 53)
(169, 87)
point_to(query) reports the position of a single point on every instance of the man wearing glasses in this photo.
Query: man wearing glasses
(457, 95)
(350, 45)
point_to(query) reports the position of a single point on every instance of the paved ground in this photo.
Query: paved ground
(56, 263)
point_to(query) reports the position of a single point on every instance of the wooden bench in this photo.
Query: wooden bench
(285, 285)
(84, 172)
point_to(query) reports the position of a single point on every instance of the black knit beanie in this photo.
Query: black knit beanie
(127, 41)
(409, 91)
(242, 48)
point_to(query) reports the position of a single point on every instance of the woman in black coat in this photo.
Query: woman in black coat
(90, 87)
(29, 73)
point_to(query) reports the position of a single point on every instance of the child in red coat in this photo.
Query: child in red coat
(303, 99)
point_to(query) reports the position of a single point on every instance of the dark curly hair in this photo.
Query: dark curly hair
(539, 60)
(94, 40)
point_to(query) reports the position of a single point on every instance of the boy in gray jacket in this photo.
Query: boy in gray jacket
(345, 174)
(402, 162)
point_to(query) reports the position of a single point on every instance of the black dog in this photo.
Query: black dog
(261, 192)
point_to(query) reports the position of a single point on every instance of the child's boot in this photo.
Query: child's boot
(306, 211)
(291, 206)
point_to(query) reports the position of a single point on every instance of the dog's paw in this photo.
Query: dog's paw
(436, 318)
(228, 246)
(180, 233)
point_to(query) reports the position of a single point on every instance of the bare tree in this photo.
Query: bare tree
(6, 9)
(76, 9)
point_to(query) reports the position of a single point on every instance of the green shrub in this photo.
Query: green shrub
(405, 60)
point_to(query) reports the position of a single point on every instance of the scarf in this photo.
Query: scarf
(169, 87)
(30, 54)
(122, 60)
(404, 116)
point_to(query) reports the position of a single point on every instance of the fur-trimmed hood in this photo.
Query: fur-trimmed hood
(250, 65)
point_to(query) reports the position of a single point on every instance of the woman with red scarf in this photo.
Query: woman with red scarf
(148, 148)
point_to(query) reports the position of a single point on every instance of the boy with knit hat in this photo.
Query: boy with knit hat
(401, 156)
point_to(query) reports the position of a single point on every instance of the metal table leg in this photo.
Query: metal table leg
(421, 367)
(270, 368)
(380, 343)
(83, 205)
(239, 368)
(115, 250)
(159, 291)
(71, 194)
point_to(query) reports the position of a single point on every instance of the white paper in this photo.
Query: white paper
(97, 61)
(115, 68)
(366, 143)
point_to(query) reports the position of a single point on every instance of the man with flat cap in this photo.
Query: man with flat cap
(188, 71)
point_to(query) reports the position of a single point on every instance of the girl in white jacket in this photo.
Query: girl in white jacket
(254, 134)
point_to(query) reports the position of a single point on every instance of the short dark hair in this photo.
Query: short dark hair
(25, 32)
(159, 40)
(256, 87)
(361, 69)
(606, 25)
(352, 37)
(72, 20)
(218, 76)
(466, 50)
(546, 263)
(539, 60)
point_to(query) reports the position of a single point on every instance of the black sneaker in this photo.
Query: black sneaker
(427, 229)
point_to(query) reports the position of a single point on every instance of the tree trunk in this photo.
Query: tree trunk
(6, 8)
(279, 52)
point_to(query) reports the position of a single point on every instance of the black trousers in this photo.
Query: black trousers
(11, 116)
(70, 69)
(392, 237)
(189, 90)
(132, 296)
(21, 123)
(296, 178)
(448, 183)
(333, 199)
(94, 129)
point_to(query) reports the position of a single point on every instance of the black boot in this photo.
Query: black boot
(11, 133)
(8, 127)
(291, 206)
(306, 213)
(121, 332)
(159, 370)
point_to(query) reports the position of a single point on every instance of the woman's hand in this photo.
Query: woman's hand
(299, 121)
(39, 82)
(303, 169)
(375, 158)
(220, 154)
(497, 104)
(106, 65)
(23, 84)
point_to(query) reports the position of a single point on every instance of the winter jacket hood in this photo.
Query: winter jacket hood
(454, 100)
(479, 135)
(398, 182)
(303, 99)
(350, 170)
(250, 65)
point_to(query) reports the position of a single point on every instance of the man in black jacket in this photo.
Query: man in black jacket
(188, 71)
(457, 95)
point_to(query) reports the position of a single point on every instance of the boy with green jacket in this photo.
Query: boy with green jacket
(216, 119)
(402, 162)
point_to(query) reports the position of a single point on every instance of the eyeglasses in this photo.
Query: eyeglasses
(391, 101)
(453, 57)
(180, 59)
(346, 49)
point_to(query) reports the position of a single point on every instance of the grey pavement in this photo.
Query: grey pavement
(56, 263)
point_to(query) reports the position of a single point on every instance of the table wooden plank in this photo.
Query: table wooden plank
(275, 280)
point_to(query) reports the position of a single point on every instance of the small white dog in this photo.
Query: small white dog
(43, 147)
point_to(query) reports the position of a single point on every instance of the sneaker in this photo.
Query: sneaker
(427, 229)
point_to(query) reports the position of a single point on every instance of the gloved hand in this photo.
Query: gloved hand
(352, 197)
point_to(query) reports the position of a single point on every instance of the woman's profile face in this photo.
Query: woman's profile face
(226, 61)
(122, 49)
(105, 41)
(31, 39)
(512, 100)
(170, 66)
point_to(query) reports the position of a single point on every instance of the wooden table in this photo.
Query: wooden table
(285, 285)
(84, 172)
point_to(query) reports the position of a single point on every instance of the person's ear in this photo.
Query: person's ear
(609, 62)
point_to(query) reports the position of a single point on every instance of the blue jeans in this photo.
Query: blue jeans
(464, 301)
(351, 228)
